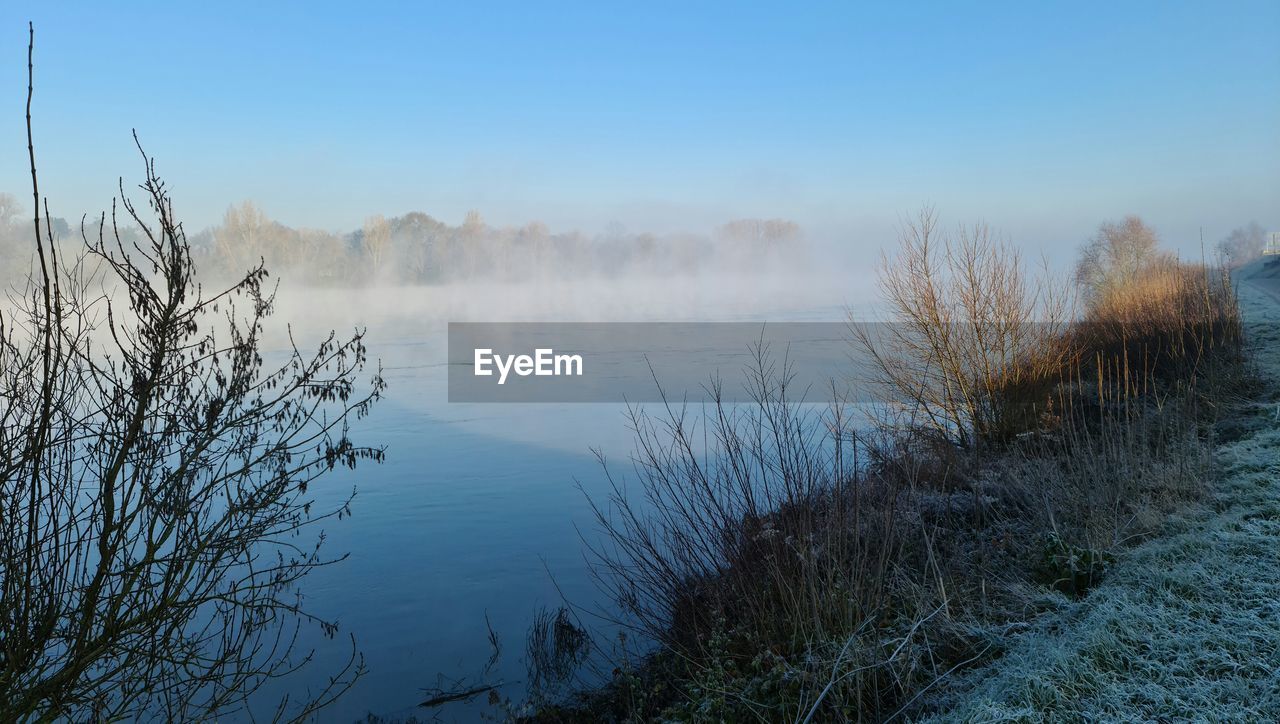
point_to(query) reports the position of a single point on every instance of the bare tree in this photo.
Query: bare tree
(1242, 245)
(154, 481)
(240, 241)
(322, 253)
(1117, 255)
(473, 225)
(421, 244)
(376, 240)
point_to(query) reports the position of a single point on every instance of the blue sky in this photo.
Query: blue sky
(1041, 118)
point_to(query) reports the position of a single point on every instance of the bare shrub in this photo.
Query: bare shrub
(749, 530)
(154, 482)
(973, 342)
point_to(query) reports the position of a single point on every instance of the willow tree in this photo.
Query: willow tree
(155, 520)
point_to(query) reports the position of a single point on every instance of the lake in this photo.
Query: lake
(475, 514)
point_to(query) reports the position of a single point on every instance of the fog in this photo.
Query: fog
(414, 269)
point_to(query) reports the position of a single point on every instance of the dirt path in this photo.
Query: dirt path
(1187, 626)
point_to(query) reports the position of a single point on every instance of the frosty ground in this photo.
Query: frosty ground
(1187, 625)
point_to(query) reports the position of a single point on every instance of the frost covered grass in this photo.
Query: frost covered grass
(801, 569)
(1188, 622)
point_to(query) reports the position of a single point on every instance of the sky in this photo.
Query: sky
(1043, 119)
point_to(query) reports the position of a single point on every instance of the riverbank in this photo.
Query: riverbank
(1185, 623)
(783, 584)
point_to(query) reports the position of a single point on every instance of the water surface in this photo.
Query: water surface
(473, 520)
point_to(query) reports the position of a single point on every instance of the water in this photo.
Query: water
(473, 520)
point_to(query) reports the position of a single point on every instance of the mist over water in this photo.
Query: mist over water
(477, 510)
(648, 190)
(631, 298)
(474, 519)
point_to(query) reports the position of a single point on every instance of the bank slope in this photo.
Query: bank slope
(1187, 624)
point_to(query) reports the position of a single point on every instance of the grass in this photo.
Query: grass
(1186, 622)
(807, 569)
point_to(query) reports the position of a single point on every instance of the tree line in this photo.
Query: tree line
(417, 248)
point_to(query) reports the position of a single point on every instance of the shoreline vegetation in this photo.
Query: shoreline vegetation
(812, 568)
(1185, 623)
(1046, 520)
(802, 567)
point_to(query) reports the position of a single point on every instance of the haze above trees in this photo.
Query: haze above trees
(417, 248)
